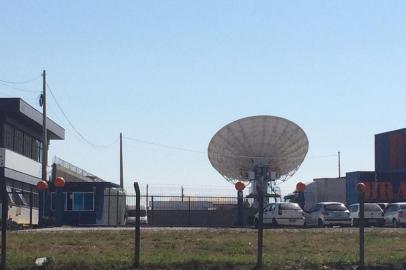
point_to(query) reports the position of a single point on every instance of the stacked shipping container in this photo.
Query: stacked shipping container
(388, 182)
(390, 151)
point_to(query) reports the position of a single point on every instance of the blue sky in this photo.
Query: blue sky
(174, 72)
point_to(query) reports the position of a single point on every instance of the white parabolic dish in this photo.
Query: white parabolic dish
(266, 141)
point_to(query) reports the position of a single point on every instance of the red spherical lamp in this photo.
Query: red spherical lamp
(59, 182)
(239, 186)
(42, 185)
(300, 187)
(361, 187)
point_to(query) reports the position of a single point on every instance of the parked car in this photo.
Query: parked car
(383, 205)
(328, 214)
(395, 214)
(373, 214)
(282, 214)
(131, 212)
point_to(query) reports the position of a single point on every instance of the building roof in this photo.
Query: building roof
(329, 179)
(74, 174)
(23, 110)
(401, 130)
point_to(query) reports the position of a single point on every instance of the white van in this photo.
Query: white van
(130, 215)
(282, 214)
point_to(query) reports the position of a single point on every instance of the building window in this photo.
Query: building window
(36, 153)
(8, 137)
(79, 201)
(16, 197)
(22, 143)
(27, 145)
(19, 141)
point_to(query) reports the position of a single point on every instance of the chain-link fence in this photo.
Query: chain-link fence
(195, 211)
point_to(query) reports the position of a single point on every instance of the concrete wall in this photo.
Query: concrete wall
(198, 218)
(12, 160)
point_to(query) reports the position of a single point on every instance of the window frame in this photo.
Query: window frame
(8, 137)
(73, 201)
(21, 142)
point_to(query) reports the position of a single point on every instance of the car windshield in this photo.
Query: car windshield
(290, 206)
(372, 208)
(335, 207)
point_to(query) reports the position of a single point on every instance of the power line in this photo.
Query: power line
(171, 147)
(19, 88)
(165, 145)
(183, 149)
(323, 156)
(20, 82)
(73, 126)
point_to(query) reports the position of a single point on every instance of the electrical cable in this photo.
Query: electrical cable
(73, 126)
(20, 82)
(18, 88)
(178, 148)
(164, 145)
(171, 147)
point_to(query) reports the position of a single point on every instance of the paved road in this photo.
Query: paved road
(293, 230)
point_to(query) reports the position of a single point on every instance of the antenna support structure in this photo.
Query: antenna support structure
(262, 150)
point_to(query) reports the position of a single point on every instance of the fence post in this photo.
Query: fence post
(361, 187)
(108, 210)
(240, 209)
(4, 217)
(260, 198)
(189, 213)
(137, 226)
(152, 210)
(117, 220)
(31, 204)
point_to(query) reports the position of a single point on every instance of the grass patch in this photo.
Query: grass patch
(206, 249)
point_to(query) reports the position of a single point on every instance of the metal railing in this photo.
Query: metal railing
(73, 168)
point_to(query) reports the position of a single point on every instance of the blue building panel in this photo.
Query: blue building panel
(83, 202)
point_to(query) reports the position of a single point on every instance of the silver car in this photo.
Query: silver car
(395, 214)
(328, 214)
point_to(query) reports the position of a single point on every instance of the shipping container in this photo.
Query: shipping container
(390, 151)
(382, 187)
(324, 190)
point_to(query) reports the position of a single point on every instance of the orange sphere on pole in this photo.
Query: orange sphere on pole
(300, 187)
(361, 187)
(59, 182)
(42, 185)
(239, 186)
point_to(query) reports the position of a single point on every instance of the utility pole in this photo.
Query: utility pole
(43, 103)
(182, 192)
(339, 165)
(121, 162)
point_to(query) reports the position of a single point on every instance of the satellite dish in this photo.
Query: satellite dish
(237, 150)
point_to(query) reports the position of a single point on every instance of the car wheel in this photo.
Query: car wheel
(395, 223)
(320, 223)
